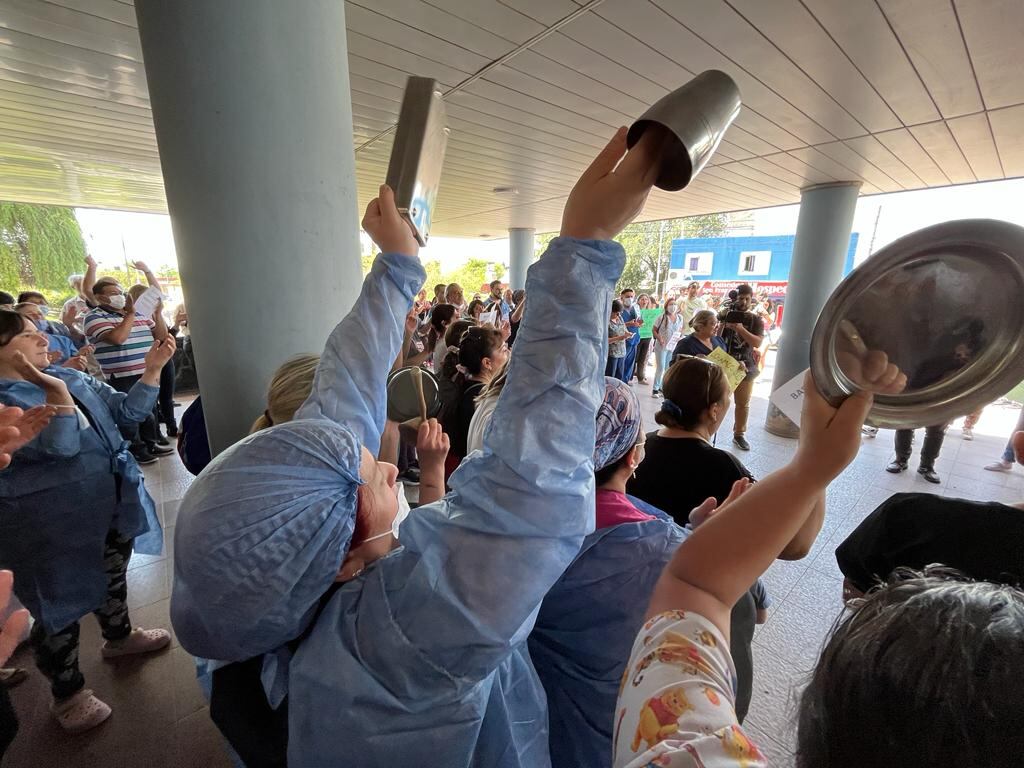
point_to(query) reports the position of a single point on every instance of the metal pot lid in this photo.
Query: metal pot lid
(946, 305)
(404, 401)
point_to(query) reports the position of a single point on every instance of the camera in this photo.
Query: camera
(735, 316)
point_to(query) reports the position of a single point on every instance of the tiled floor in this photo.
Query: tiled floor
(160, 718)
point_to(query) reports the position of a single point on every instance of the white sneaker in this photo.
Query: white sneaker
(999, 466)
(869, 431)
(968, 433)
(81, 712)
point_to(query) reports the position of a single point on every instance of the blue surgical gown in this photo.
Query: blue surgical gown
(422, 660)
(67, 488)
(586, 629)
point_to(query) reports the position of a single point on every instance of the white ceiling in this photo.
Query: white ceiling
(901, 94)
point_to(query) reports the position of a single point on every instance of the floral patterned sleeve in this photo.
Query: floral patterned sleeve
(676, 701)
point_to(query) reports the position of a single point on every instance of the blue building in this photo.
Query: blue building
(720, 263)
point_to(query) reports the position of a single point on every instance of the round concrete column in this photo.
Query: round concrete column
(520, 246)
(253, 119)
(819, 254)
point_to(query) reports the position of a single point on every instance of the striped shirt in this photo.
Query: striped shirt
(128, 359)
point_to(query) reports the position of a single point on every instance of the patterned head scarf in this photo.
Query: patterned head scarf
(618, 423)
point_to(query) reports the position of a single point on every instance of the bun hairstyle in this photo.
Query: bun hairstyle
(288, 390)
(475, 343)
(702, 317)
(691, 386)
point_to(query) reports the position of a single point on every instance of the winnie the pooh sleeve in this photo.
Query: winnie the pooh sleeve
(676, 700)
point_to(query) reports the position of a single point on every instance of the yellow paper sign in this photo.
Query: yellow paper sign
(735, 371)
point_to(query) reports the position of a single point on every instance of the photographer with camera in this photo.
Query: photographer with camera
(743, 332)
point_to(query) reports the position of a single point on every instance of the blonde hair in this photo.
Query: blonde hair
(288, 390)
(136, 290)
(494, 386)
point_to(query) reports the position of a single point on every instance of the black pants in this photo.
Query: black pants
(643, 349)
(145, 434)
(933, 438)
(165, 401)
(57, 653)
(741, 638)
(8, 722)
(241, 712)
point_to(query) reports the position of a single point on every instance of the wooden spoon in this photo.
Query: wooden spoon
(409, 429)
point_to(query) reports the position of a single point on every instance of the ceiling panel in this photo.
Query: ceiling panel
(877, 91)
(994, 31)
(799, 36)
(974, 137)
(1007, 129)
(861, 30)
(930, 35)
(938, 142)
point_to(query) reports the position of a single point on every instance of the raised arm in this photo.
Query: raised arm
(492, 548)
(150, 277)
(724, 556)
(349, 386)
(89, 280)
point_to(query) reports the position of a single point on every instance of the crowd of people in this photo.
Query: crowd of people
(558, 596)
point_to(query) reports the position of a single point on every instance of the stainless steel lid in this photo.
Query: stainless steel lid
(404, 400)
(945, 305)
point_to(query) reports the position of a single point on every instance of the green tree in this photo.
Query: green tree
(40, 245)
(648, 246)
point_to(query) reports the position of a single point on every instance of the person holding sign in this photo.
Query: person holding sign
(648, 313)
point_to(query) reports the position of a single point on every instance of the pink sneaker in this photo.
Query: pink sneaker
(139, 641)
(81, 712)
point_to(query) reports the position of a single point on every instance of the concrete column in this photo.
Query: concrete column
(521, 247)
(819, 254)
(253, 118)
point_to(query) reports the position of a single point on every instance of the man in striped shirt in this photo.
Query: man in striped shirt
(122, 339)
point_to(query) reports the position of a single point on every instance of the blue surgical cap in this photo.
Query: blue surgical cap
(260, 537)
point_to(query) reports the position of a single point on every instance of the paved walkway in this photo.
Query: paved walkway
(160, 717)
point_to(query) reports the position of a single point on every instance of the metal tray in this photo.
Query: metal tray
(403, 400)
(946, 305)
(417, 155)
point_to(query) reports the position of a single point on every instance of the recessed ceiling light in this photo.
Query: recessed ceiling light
(485, 235)
(505, 191)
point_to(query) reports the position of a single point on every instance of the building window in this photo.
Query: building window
(755, 262)
(699, 263)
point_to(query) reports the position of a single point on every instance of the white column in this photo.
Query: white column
(253, 118)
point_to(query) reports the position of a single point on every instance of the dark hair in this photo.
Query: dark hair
(605, 474)
(691, 386)
(24, 296)
(11, 324)
(616, 306)
(518, 295)
(626, 290)
(744, 290)
(494, 283)
(102, 283)
(439, 287)
(439, 316)
(473, 304)
(475, 343)
(6, 298)
(920, 673)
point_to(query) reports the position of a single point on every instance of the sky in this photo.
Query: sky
(113, 236)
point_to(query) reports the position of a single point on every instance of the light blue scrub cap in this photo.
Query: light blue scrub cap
(260, 537)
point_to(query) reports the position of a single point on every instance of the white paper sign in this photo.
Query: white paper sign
(789, 398)
(489, 318)
(146, 304)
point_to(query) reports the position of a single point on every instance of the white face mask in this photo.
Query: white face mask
(627, 302)
(403, 512)
(117, 302)
(671, 309)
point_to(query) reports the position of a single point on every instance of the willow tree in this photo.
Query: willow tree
(40, 245)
